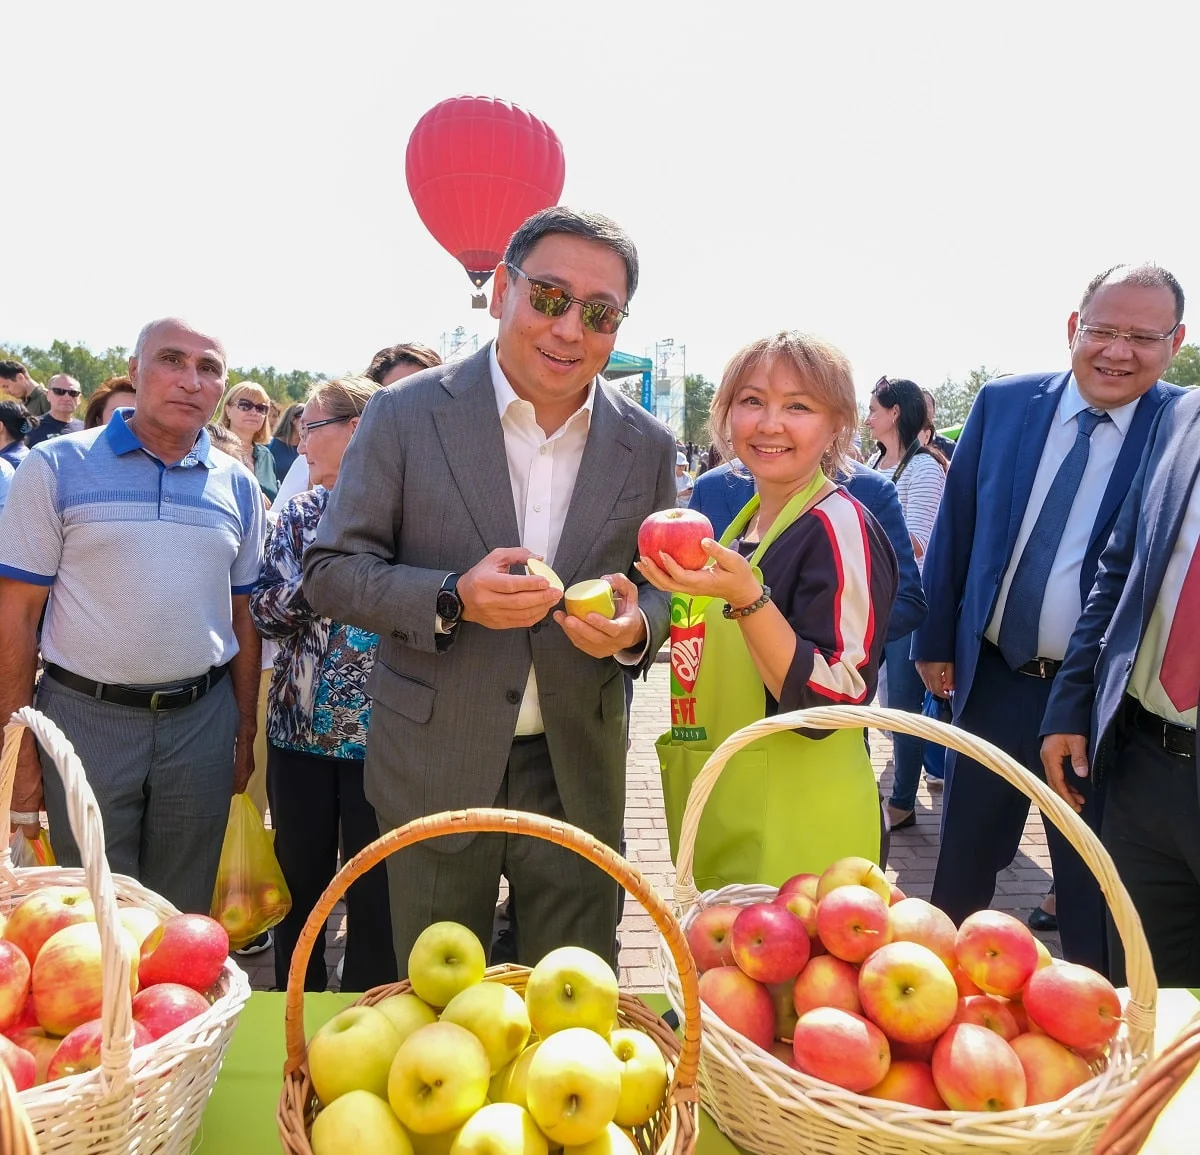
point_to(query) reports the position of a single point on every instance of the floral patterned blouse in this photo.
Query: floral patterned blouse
(317, 702)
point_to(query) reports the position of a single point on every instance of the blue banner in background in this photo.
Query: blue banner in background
(647, 391)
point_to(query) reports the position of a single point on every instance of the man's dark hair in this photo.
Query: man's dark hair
(590, 226)
(1146, 276)
(11, 370)
(412, 353)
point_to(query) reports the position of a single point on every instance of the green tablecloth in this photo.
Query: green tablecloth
(241, 1113)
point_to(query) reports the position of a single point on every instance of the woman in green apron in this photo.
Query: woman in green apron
(792, 613)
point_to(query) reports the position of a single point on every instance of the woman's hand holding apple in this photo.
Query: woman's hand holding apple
(731, 578)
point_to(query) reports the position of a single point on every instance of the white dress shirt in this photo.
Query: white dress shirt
(1061, 605)
(1143, 681)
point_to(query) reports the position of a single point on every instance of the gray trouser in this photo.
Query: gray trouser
(163, 781)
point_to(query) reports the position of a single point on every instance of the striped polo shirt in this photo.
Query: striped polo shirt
(142, 558)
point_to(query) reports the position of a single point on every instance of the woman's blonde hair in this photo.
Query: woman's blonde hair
(343, 397)
(825, 372)
(254, 391)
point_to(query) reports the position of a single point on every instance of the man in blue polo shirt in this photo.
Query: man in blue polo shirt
(149, 541)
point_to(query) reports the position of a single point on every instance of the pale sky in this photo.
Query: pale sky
(928, 185)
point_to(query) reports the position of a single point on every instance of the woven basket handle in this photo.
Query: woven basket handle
(1139, 1014)
(116, 1012)
(502, 822)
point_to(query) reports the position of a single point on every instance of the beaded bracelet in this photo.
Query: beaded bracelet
(728, 611)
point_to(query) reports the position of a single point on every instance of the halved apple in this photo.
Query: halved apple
(591, 597)
(539, 568)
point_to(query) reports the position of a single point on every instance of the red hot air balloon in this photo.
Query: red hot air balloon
(476, 168)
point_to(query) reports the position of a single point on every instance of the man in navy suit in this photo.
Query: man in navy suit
(721, 492)
(1127, 690)
(1040, 471)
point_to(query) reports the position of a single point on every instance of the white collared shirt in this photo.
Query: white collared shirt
(1144, 681)
(1061, 605)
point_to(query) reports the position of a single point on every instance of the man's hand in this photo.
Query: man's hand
(601, 637)
(243, 759)
(1058, 748)
(499, 600)
(938, 677)
(27, 788)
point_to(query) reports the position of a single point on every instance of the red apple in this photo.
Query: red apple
(1045, 958)
(909, 1081)
(841, 1048)
(800, 884)
(40, 914)
(80, 1050)
(22, 1066)
(741, 1003)
(988, 1011)
(827, 981)
(783, 1052)
(852, 922)
(854, 871)
(974, 1069)
(67, 977)
(907, 992)
(708, 936)
(963, 981)
(803, 907)
(915, 920)
(26, 1017)
(920, 1052)
(897, 895)
(1074, 1005)
(1051, 1070)
(165, 1006)
(188, 948)
(997, 952)
(769, 943)
(41, 1046)
(1016, 1008)
(677, 533)
(14, 983)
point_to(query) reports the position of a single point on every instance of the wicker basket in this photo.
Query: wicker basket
(771, 1109)
(672, 1130)
(16, 1132)
(150, 1099)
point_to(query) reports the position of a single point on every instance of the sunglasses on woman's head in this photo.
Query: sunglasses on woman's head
(247, 406)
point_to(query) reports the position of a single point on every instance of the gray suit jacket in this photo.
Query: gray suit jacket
(424, 491)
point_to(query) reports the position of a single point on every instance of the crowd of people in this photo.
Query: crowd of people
(328, 606)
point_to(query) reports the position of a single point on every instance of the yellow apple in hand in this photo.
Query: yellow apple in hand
(571, 987)
(509, 1085)
(574, 1086)
(359, 1121)
(643, 1076)
(611, 1141)
(445, 959)
(439, 1078)
(590, 597)
(496, 1016)
(407, 1013)
(539, 568)
(352, 1052)
(500, 1129)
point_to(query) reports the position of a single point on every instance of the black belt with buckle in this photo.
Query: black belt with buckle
(1180, 740)
(170, 698)
(1036, 667)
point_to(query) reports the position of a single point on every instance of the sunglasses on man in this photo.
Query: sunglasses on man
(554, 301)
(248, 406)
(59, 392)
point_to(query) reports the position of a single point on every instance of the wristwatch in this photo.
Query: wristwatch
(449, 604)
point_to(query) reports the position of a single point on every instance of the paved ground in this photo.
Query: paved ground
(910, 864)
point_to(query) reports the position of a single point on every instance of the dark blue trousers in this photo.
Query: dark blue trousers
(983, 816)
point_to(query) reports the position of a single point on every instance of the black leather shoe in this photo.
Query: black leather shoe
(899, 819)
(1042, 920)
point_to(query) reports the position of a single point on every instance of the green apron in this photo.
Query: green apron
(784, 804)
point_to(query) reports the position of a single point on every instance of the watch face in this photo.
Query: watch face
(448, 606)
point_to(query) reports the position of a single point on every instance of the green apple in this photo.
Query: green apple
(445, 959)
(500, 1129)
(590, 597)
(509, 1085)
(574, 1086)
(611, 1141)
(571, 987)
(407, 1013)
(352, 1052)
(359, 1121)
(439, 1144)
(439, 1078)
(643, 1076)
(496, 1016)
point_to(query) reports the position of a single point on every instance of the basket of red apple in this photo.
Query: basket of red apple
(115, 1008)
(839, 1015)
(460, 1059)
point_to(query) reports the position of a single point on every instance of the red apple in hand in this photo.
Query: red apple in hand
(80, 1050)
(841, 1048)
(188, 948)
(976, 1070)
(741, 1003)
(14, 984)
(677, 533)
(1074, 1005)
(165, 1006)
(852, 922)
(708, 936)
(997, 952)
(769, 943)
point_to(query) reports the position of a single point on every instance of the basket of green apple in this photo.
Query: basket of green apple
(461, 1059)
(840, 1016)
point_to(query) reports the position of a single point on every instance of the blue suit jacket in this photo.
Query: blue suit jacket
(1090, 687)
(987, 489)
(720, 494)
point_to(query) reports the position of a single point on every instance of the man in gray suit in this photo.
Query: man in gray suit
(482, 696)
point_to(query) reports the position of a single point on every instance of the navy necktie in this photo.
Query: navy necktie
(1023, 609)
